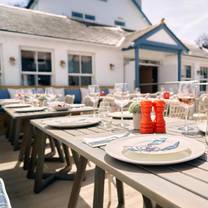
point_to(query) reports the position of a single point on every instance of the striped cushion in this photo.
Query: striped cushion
(4, 199)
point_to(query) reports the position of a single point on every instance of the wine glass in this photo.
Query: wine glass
(94, 93)
(186, 96)
(121, 95)
(137, 93)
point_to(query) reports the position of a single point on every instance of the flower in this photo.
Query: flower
(134, 107)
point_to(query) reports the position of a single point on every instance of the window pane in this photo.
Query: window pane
(73, 64)
(28, 80)
(188, 71)
(44, 80)
(73, 80)
(28, 61)
(44, 62)
(86, 64)
(86, 81)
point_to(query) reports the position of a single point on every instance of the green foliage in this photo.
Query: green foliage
(134, 107)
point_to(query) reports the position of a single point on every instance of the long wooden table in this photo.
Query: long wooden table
(17, 118)
(183, 185)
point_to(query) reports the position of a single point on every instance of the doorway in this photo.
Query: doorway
(148, 74)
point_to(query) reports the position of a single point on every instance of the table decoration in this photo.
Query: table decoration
(155, 149)
(60, 106)
(134, 108)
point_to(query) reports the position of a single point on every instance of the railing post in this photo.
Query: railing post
(137, 68)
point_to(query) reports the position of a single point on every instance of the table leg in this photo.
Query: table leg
(10, 133)
(98, 187)
(147, 202)
(77, 183)
(120, 193)
(16, 129)
(41, 142)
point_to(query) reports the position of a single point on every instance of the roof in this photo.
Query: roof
(60, 27)
(196, 51)
(31, 22)
(31, 2)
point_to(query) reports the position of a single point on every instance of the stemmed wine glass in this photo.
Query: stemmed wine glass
(121, 95)
(94, 93)
(186, 95)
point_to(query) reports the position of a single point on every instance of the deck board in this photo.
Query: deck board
(20, 189)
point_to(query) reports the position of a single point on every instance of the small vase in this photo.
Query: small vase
(136, 120)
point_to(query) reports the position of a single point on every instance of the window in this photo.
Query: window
(89, 17)
(80, 69)
(77, 15)
(36, 68)
(203, 78)
(119, 23)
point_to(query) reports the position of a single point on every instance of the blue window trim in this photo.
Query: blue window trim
(140, 10)
(90, 17)
(119, 23)
(77, 15)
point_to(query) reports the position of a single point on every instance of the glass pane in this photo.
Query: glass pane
(44, 80)
(86, 81)
(28, 61)
(28, 80)
(44, 62)
(73, 62)
(73, 80)
(86, 64)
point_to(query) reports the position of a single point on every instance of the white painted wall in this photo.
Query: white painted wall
(106, 12)
(102, 58)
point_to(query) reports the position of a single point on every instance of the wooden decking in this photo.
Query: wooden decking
(20, 189)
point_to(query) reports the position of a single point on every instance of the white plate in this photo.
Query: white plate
(126, 115)
(9, 101)
(77, 105)
(73, 122)
(17, 105)
(30, 109)
(190, 150)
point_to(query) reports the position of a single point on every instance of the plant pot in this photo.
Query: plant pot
(136, 120)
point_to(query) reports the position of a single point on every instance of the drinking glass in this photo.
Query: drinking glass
(138, 94)
(121, 95)
(186, 96)
(94, 93)
(104, 114)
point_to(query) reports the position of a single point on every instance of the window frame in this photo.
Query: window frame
(80, 74)
(36, 73)
(120, 23)
(1, 65)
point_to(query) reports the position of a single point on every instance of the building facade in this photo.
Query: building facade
(62, 50)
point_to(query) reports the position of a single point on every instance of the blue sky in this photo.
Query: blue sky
(187, 18)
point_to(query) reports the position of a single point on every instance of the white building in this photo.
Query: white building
(39, 48)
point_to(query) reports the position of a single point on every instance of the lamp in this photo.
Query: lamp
(12, 60)
(62, 63)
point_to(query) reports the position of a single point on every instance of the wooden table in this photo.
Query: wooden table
(183, 185)
(17, 118)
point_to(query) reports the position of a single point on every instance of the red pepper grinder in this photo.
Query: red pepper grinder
(146, 124)
(159, 123)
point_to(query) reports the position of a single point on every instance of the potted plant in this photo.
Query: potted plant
(135, 109)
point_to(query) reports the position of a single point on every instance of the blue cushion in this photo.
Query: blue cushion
(4, 94)
(76, 93)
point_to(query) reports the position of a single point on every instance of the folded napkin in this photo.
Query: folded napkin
(102, 141)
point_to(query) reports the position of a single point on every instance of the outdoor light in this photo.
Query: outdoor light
(112, 66)
(12, 60)
(62, 63)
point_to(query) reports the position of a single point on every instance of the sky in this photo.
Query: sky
(187, 18)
